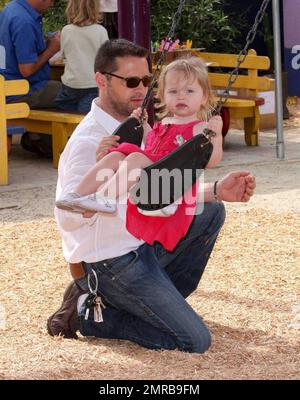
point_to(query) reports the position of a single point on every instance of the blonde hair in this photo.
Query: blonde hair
(83, 12)
(193, 68)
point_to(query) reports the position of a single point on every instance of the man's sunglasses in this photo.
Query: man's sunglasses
(133, 81)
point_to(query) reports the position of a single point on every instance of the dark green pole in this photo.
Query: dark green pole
(134, 21)
(280, 148)
(134, 25)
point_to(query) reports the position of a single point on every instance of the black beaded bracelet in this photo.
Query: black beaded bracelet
(215, 191)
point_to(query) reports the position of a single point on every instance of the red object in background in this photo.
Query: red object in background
(225, 115)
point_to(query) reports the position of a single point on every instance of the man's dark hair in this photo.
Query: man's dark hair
(111, 49)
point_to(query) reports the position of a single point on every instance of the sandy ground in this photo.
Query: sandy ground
(249, 295)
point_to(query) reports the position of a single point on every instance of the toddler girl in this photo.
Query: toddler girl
(185, 90)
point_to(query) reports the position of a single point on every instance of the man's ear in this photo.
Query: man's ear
(101, 80)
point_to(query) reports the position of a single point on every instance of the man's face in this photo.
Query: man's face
(121, 99)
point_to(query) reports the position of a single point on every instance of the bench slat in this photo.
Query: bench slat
(232, 103)
(257, 101)
(16, 110)
(43, 115)
(230, 60)
(17, 87)
(243, 81)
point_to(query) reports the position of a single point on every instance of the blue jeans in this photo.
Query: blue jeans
(144, 291)
(79, 100)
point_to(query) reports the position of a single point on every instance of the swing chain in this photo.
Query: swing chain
(233, 74)
(166, 47)
(242, 56)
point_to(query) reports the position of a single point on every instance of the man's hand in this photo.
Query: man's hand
(236, 187)
(53, 43)
(52, 47)
(106, 143)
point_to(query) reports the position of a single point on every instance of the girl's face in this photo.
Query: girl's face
(183, 97)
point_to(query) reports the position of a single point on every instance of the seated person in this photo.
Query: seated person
(27, 54)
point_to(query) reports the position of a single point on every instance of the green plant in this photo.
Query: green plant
(2, 3)
(203, 21)
(55, 18)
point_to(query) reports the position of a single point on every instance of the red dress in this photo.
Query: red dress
(168, 231)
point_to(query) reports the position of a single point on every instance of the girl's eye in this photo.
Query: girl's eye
(172, 91)
(190, 91)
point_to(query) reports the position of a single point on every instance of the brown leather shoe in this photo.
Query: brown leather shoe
(64, 321)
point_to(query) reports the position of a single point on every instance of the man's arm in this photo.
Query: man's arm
(52, 47)
(30, 49)
(233, 187)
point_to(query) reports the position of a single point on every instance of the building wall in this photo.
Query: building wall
(291, 16)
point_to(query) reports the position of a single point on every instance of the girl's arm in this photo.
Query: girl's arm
(215, 124)
(147, 128)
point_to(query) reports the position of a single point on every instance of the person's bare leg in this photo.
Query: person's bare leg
(87, 199)
(91, 182)
(122, 181)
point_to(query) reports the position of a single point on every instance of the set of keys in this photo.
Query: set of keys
(94, 301)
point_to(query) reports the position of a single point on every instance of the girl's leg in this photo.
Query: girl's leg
(126, 176)
(98, 175)
(85, 196)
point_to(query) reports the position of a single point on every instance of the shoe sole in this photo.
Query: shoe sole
(81, 210)
(68, 334)
(76, 209)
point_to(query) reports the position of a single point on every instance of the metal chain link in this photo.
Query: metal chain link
(234, 73)
(166, 47)
(242, 55)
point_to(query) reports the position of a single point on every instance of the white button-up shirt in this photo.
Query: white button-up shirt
(103, 235)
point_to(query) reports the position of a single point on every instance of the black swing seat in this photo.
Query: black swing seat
(165, 181)
(130, 131)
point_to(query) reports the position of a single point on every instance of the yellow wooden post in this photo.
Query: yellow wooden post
(59, 141)
(9, 111)
(3, 137)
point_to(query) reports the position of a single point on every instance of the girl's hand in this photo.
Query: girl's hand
(106, 143)
(215, 124)
(138, 113)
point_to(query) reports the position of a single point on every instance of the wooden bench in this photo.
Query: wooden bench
(245, 106)
(7, 112)
(60, 125)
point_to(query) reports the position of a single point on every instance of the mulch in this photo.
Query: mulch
(249, 298)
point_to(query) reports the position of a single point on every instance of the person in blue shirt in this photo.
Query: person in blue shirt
(25, 54)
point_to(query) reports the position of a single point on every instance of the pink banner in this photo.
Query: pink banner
(291, 13)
